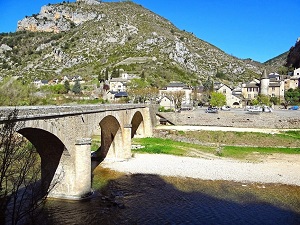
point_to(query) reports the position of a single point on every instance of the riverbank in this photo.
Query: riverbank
(283, 169)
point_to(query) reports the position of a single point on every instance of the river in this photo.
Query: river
(152, 199)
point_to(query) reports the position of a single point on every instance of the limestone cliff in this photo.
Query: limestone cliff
(58, 17)
(293, 58)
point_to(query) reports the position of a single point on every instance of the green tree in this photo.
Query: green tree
(143, 75)
(220, 75)
(106, 73)
(101, 77)
(77, 87)
(67, 86)
(208, 86)
(58, 89)
(217, 99)
(115, 73)
(292, 96)
(137, 89)
(264, 100)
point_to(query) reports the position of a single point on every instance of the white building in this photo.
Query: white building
(231, 100)
(297, 72)
(167, 103)
(120, 84)
(177, 87)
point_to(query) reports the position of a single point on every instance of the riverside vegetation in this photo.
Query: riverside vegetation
(238, 145)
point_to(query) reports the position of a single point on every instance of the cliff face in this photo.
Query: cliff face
(60, 17)
(293, 58)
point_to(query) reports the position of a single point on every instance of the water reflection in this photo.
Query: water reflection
(150, 199)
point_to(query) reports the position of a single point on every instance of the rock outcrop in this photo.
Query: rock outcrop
(293, 58)
(57, 18)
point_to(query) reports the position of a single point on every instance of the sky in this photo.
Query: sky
(256, 29)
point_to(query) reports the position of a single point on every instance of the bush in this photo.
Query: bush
(162, 109)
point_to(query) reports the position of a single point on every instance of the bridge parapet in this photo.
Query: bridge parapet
(27, 112)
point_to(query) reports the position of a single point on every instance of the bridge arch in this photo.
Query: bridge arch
(50, 148)
(111, 137)
(137, 123)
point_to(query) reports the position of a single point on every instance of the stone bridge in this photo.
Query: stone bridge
(62, 136)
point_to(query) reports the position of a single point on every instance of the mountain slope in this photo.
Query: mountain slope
(293, 57)
(84, 39)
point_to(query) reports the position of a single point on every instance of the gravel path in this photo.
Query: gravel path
(270, 171)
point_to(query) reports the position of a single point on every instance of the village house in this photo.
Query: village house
(118, 86)
(271, 85)
(167, 103)
(39, 83)
(231, 100)
(293, 81)
(170, 89)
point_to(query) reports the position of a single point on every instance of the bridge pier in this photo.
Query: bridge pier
(72, 180)
(126, 151)
(83, 178)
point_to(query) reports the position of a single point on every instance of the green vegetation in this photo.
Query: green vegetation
(217, 99)
(220, 143)
(292, 96)
(289, 139)
(239, 152)
(77, 87)
(15, 92)
(168, 146)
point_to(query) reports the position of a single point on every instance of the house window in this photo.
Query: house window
(224, 91)
(249, 95)
(255, 95)
(273, 88)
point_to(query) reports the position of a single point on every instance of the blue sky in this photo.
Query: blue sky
(256, 29)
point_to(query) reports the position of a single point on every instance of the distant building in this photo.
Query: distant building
(120, 84)
(270, 85)
(38, 83)
(176, 87)
(231, 100)
(167, 103)
(296, 72)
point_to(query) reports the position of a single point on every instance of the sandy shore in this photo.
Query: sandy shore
(274, 169)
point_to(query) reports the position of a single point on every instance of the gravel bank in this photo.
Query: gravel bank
(210, 169)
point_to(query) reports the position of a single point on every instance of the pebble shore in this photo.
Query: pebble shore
(209, 169)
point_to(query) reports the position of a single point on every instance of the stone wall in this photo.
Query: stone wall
(279, 119)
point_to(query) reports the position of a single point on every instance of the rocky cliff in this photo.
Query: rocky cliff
(293, 58)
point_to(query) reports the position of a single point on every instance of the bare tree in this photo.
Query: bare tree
(152, 94)
(21, 192)
(177, 97)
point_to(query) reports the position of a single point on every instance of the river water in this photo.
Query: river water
(151, 199)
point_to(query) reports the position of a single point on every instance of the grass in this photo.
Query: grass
(230, 138)
(238, 145)
(239, 152)
(173, 147)
(168, 146)
(96, 142)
